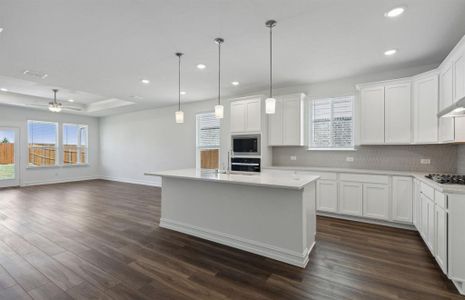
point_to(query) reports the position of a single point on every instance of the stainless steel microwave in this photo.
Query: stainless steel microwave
(246, 144)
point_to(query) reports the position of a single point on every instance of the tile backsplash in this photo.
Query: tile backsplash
(420, 158)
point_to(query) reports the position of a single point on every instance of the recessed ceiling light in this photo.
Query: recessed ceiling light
(390, 52)
(201, 66)
(183, 93)
(137, 97)
(145, 81)
(4, 90)
(235, 83)
(395, 12)
(70, 100)
(1, 29)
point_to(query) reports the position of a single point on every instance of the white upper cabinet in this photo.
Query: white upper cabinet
(286, 125)
(426, 99)
(397, 98)
(372, 115)
(446, 98)
(245, 115)
(459, 68)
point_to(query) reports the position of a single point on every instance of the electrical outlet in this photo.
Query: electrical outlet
(293, 157)
(349, 159)
(425, 161)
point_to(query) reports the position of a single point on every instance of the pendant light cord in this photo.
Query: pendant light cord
(271, 61)
(179, 82)
(219, 73)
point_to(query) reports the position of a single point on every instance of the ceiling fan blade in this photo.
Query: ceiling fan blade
(72, 108)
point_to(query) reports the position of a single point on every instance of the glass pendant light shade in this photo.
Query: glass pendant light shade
(270, 105)
(219, 111)
(179, 117)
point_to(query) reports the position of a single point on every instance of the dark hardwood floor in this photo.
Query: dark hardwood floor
(100, 240)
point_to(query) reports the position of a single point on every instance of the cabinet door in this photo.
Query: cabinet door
(441, 238)
(350, 198)
(425, 110)
(372, 115)
(424, 217)
(431, 226)
(459, 67)
(398, 113)
(238, 112)
(326, 195)
(376, 201)
(402, 198)
(275, 125)
(446, 98)
(293, 122)
(416, 205)
(459, 129)
(253, 117)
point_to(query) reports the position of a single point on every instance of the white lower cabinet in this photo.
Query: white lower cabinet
(402, 199)
(351, 194)
(441, 237)
(416, 205)
(326, 195)
(376, 201)
(430, 211)
(424, 216)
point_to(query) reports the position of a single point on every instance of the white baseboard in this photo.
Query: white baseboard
(366, 220)
(156, 182)
(460, 286)
(280, 254)
(58, 180)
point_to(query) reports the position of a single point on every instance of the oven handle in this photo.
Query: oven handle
(245, 164)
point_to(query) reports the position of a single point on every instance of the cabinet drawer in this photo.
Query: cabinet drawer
(381, 179)
(427, 190)
(323, 175)
(440, 199)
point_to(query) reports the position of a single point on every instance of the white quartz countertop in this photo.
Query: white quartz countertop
(444, 188)
(295, 182)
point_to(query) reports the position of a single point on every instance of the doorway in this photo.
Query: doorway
(9, 156)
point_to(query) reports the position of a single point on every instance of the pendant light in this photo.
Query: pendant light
(270, 102)
(179, 114)
(55, 106)
(219, 109)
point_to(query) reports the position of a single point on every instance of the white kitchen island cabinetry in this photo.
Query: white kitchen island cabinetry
(266, 214)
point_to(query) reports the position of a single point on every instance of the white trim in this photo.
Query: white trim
(366, 220)
(53, 181)
(156, 182)
(460, 286)
(273, 252)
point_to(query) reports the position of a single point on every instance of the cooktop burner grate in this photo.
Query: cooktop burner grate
(447, 178)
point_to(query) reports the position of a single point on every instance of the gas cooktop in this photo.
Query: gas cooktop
(447, 178)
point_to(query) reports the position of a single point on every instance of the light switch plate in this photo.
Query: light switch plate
(293, 157)
(425, 161)
(349, 159)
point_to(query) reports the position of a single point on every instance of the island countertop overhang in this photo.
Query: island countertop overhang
(295, 182)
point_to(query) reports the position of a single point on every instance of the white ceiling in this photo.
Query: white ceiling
(99, 50)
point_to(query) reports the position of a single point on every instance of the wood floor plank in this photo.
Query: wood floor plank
(101, 240)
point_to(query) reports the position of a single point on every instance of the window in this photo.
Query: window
(74, 144)
(42, 143)
(332, 123)
(208, 141)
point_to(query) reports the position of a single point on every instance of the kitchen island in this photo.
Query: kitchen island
(266, 214)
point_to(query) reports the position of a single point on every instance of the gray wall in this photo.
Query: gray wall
(399, 158)
(461, 159)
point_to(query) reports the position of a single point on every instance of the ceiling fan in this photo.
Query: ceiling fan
(54, 105)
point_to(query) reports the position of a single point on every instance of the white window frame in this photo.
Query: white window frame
(311, 147)
(79, 139)
(57, 144)
(199, 148)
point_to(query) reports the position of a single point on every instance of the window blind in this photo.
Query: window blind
(332, 123)
(208, 130)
